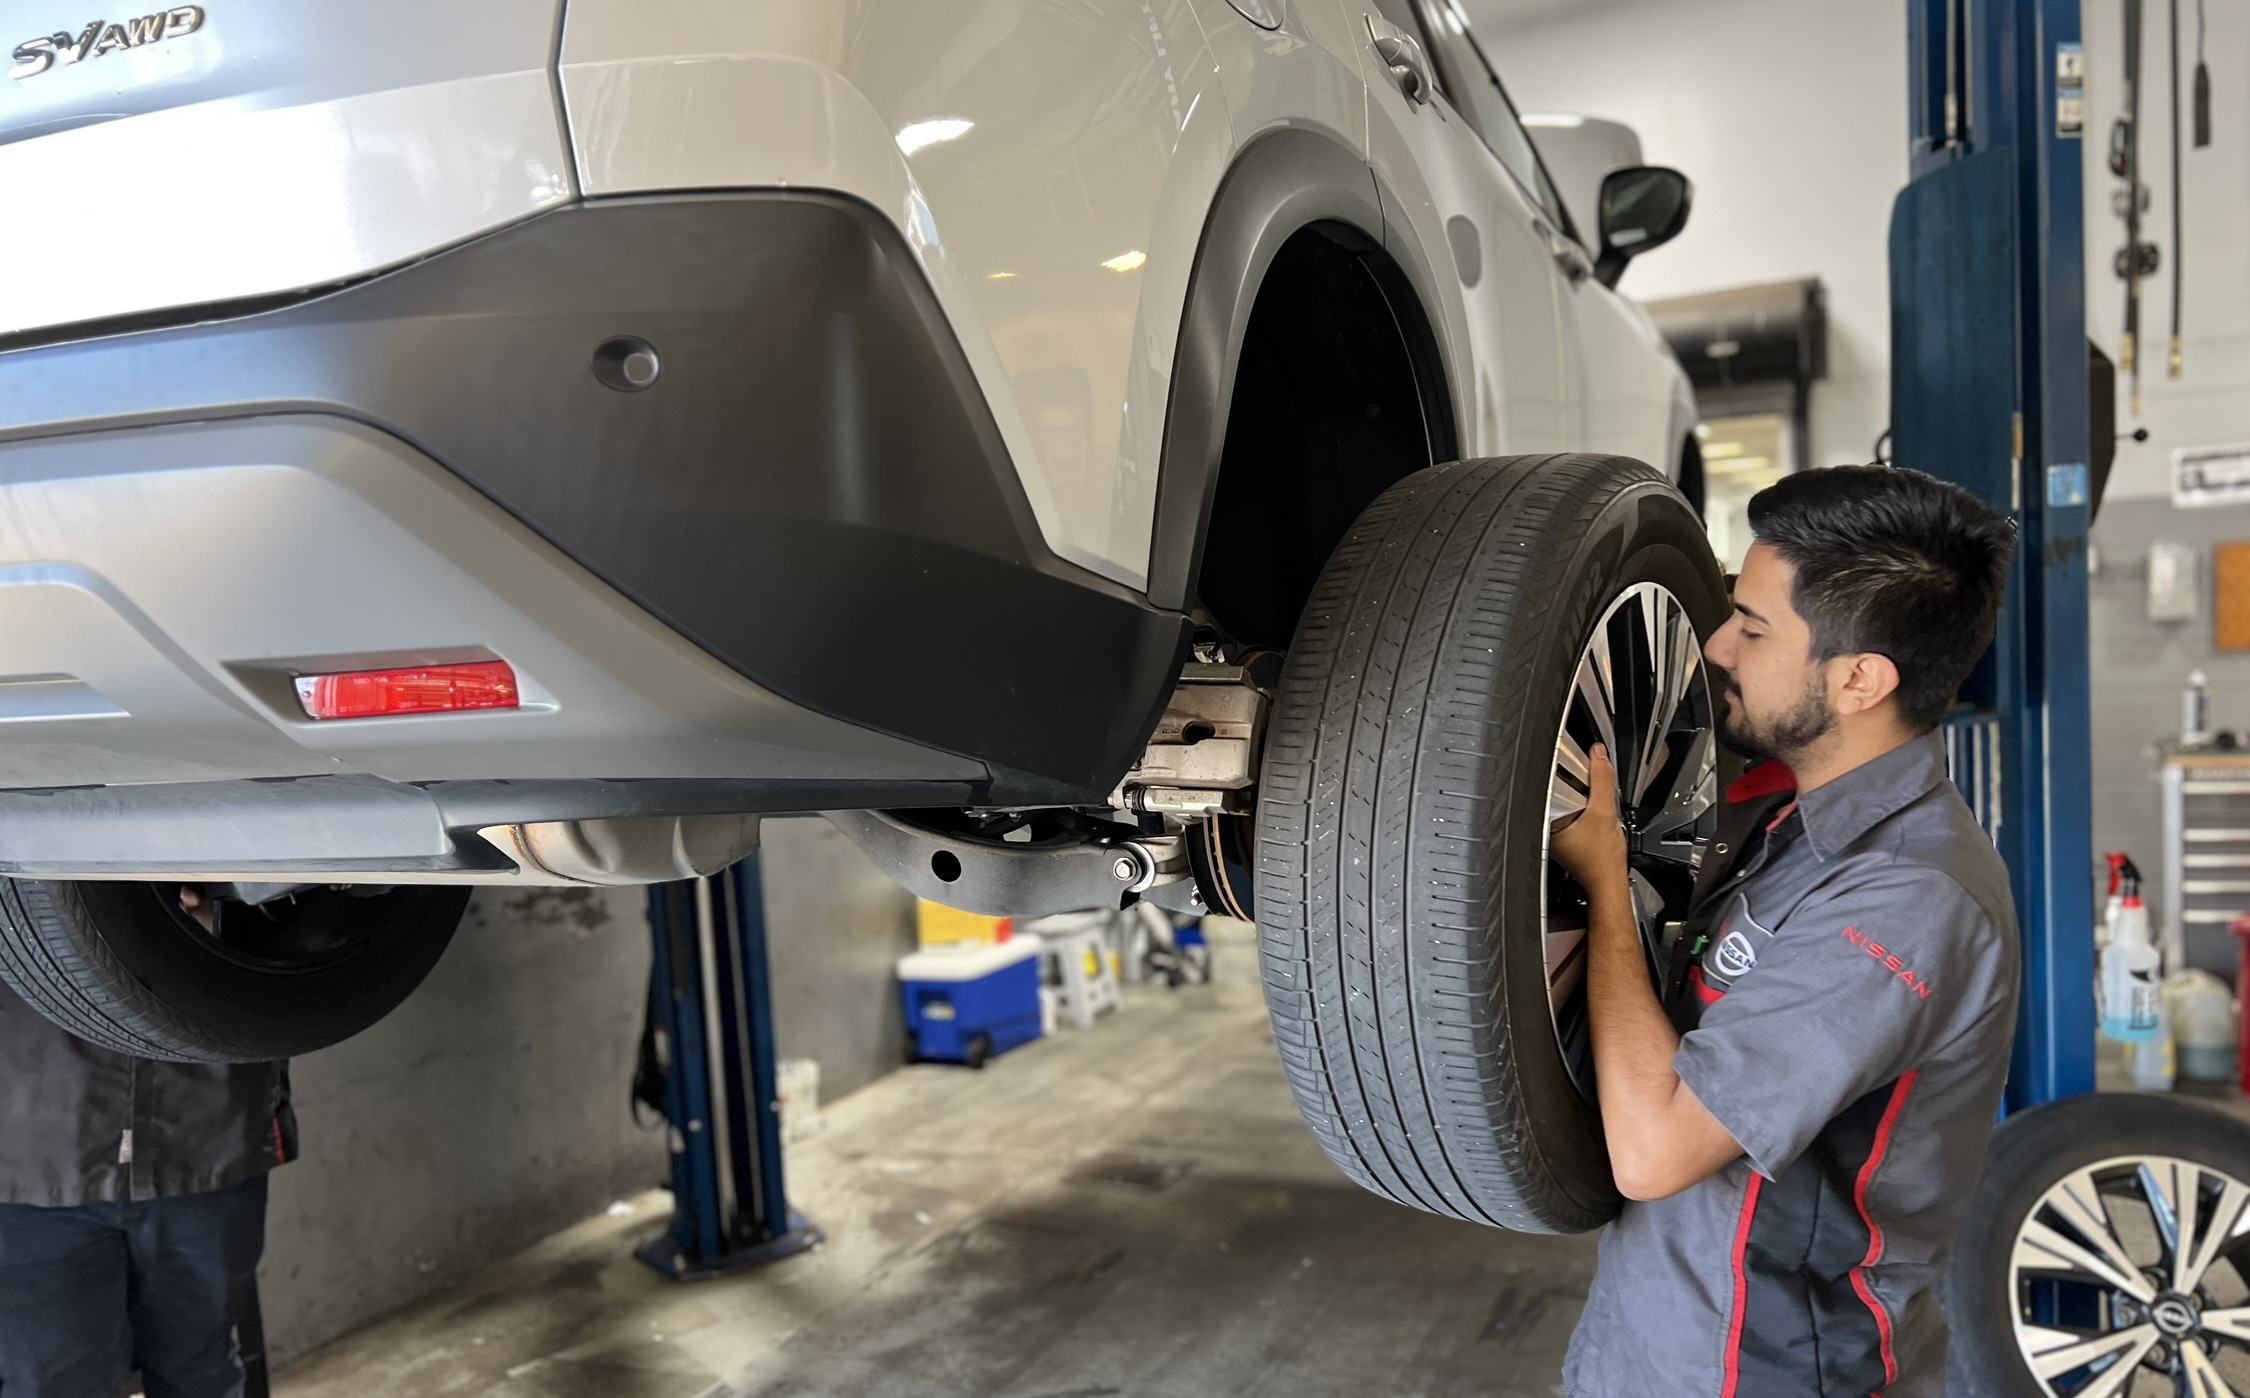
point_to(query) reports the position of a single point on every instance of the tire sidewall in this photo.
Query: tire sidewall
(214, 1007)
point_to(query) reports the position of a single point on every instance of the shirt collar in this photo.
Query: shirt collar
(1848, 807)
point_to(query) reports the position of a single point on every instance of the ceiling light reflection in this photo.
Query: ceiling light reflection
(928, 133)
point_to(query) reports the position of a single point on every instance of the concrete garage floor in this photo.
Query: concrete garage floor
(1133, 1211)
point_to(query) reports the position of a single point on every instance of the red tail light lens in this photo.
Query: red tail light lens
(420, 689)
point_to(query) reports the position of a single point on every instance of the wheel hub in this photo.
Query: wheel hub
(2175, 1315)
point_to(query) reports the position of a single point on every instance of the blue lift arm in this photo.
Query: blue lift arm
(1989, 389)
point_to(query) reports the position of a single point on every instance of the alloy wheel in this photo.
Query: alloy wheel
(2131, 1277)
(1641, 690)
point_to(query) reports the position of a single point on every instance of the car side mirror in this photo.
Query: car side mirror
(1642, 207)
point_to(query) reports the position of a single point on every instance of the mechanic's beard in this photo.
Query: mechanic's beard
(1782, 736)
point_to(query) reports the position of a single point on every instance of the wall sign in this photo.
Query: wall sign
(2204, 476)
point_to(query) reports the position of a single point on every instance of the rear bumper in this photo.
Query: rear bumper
(812, 494)
(796, 573)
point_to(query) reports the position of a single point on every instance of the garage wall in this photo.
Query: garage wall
(490, 1109)
(1789, 115)
(2140, 667)
(836, 927)
(2209, 404)
(484, 1113)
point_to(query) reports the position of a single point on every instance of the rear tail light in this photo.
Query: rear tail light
(416, 689)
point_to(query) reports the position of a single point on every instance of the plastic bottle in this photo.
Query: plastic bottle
(2152, 1062)
(2118, 864)
(2195, 711)
(2132, 1003)
(2203, 1025)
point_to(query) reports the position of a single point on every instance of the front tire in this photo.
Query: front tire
(1419, 957)
(127, 967)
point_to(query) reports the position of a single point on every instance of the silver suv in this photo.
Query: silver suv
(528, 442)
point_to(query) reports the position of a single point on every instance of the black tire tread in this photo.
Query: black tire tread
(77, 982)
(1409, 689)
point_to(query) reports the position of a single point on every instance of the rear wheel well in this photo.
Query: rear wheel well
(1338, 394)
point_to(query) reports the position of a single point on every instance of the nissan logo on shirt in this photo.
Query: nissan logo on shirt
(1734, 955)
(1733, 951)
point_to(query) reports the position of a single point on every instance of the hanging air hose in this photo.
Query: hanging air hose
(2202, 84)
(2179, 243)
(2137, 260)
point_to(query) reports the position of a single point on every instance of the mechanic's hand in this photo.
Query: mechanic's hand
(1592, 845)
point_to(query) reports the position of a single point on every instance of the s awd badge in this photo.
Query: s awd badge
(102, 38)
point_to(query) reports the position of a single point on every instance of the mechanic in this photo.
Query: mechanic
(132, 1215)
(1797, 1163)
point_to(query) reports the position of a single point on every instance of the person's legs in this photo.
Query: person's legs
(193, 1257)
(62, 1302)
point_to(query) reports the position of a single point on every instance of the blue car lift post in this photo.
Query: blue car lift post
(1989, 389)
(710, 1000)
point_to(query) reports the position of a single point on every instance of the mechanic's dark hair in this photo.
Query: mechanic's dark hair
(1894, 562)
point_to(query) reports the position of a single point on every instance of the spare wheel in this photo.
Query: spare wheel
(1479, 629)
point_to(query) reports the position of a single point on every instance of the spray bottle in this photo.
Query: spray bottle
(2132, 1003)
(2118, 864)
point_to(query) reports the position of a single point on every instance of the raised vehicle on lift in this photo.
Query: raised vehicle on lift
(1092, 452)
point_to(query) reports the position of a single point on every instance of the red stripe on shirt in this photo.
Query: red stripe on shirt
(280, 1155)
(1765, 779)
(1706, 992)
(1874, 1230)
(1741, 1283)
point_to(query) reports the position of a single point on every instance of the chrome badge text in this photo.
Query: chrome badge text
(101, 38)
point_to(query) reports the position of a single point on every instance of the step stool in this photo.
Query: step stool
(1069, 941)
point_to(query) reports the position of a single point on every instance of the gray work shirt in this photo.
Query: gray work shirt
(1857, 1004)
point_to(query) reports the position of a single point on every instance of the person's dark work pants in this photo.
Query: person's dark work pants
(89, 1293)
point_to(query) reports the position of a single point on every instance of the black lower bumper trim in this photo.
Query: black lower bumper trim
(812, 488)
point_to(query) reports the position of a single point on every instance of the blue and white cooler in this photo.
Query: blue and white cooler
(968, 1004)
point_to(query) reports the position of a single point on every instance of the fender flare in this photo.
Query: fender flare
(1279, 185)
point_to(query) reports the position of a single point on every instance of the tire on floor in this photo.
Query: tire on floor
(2077, 1196)
(1402, 809)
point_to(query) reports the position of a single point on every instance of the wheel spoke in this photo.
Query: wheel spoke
(2078, 1200)
(2043, 1249)
(2219, 1226)
(1667, 623)
(1572, 759)
(2170, 1188)
(1563, 802)
(1566, 961)
(2232, 1322)
(1693, 792)
(1566, 790)
(2203, 1380)
(1593, 689)
(2055, 1352)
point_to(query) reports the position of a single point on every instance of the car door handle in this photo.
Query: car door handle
(1402, 54)
(1565, 250)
